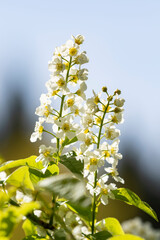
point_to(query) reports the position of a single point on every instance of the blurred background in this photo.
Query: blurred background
(122, 42)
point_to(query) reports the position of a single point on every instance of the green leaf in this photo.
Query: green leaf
(30, 161)
(60, 235)
(3, 198)
(112, 225)
(129, 197)
(20, 178)
(72, 189)
(68, 141)
(29, 228)
(8, 220)
(126, 237)
(26, 208)
(36, 175)
(74, 165)
(34, 237)
(103, 235)
(11, 216)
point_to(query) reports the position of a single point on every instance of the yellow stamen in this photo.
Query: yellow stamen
(76, 112)
(40, 129)
(93, 161)
(73, 51)
(65, 127)
(103, 108)
(46, 113)
(70, 102)
(60, 82)
(55, 92)
(59, 66)
(113, 151)
(98, 120)
(96, 100)
(106, 153)
(86, 131)
(66, 65)
(46, 153)
(74, 78)
(88, 141)
(104, 191)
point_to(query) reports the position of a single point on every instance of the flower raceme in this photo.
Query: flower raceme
(91, 121)
(58, 206)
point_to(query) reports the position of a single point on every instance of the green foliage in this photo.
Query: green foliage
(129, 197)
(36, 175)
(60, 235)
(3, 199)
(20, 178)
(103, 235)
(68, 141)
(30, 161)
(11, 216)
(29, 228)
(34, 237)
(126, 237)
(72, 189)
(112, 225)
(74, 165)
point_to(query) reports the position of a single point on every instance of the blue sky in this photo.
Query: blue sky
(122, 42)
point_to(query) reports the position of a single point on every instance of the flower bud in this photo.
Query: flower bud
(117, 92)
(110, 97)
(104, 89)
(118, 110)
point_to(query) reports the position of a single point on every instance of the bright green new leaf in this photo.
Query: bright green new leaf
(29, 228)
(68, 141)
(74, 165)
(126, 237)
(8, 220)
(11, 216)
(103, 235)
(30, 161)
(131, 198)
(112, 225)
(28, 207)
(20, 178)
(3, 199)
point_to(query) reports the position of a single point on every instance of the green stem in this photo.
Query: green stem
(49, 133)
(62, 99)
(95, 176)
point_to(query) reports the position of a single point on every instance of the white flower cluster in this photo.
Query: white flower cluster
(137, 227)
(73, 222)
(91, 121)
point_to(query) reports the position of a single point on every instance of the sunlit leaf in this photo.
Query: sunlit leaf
(11, 216)
(131, 198)
(112, 225)
(126, 237)
(20, 178)
(29, 228)
(74, 165)
(30, 161)
(3, 198)
(36, 175)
